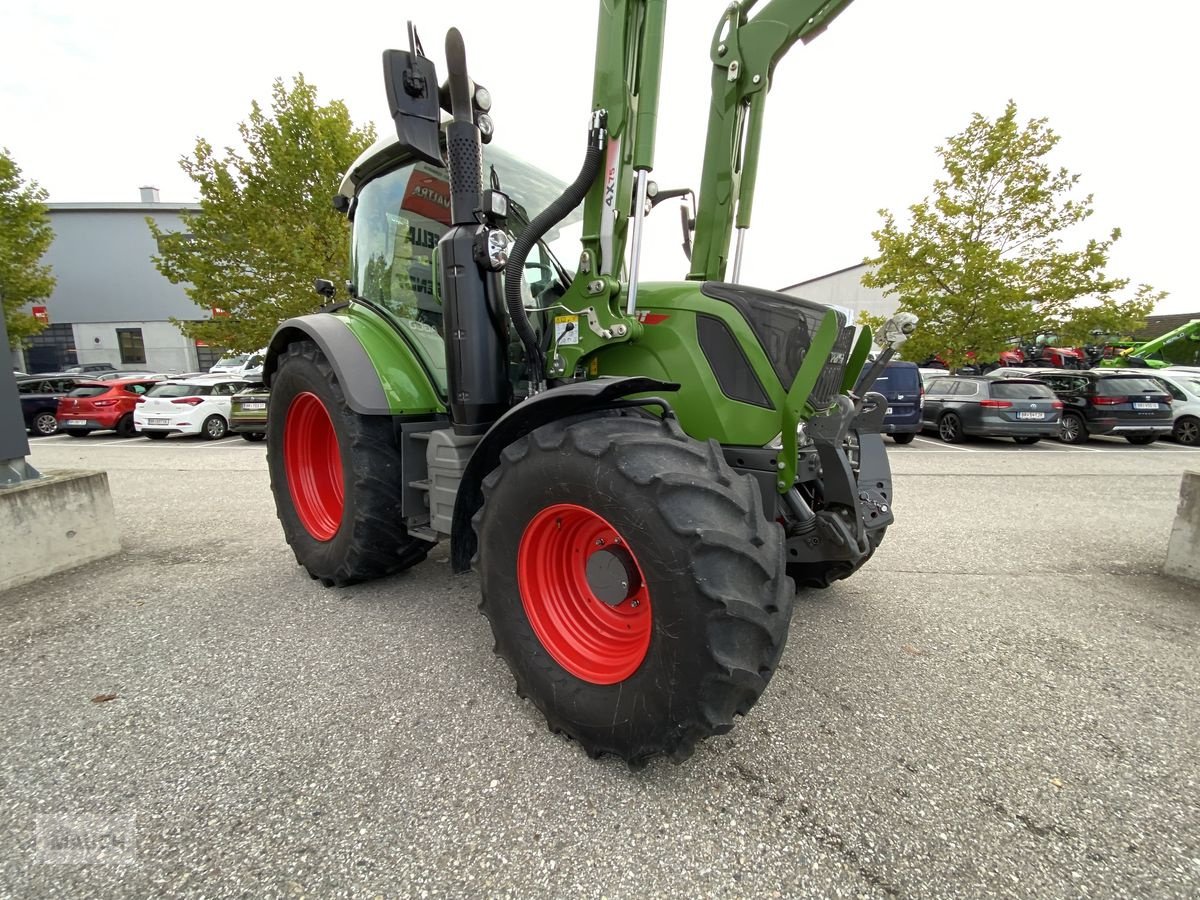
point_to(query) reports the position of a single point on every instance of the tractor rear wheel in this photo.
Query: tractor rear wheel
(336, 476)
(633, 584)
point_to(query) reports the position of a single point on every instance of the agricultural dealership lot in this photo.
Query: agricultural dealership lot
(1003, 702)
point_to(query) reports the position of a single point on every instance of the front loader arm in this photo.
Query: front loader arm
(744, 52)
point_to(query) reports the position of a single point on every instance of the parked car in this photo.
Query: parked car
(102, 406)
(1184, 387)
(900, 383)
(190, 406)
(248, 412)
(39, 399)
(1109, 401)
(928, 374)
(1020, 408)
(247, 365)
(90, 368)
(135, 373)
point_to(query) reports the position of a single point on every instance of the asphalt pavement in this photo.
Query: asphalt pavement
(1001, 703)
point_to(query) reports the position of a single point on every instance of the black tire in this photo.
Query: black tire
(1026, 439)
(214, 428)
(1187, 431)
(154, 435)
(1141, 439)
(1072, 429)
(821, 575)
(949, 428)
(369, 542)
(718, 601)
(252, 436)
(903, 437)
(125, 427)
(45, 424)
(78, 432)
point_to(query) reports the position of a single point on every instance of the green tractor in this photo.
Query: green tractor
(639, 472)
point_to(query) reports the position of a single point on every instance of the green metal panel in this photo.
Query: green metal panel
(668, 348)
(412, 386)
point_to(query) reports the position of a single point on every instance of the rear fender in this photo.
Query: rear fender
(378, 371)
(580, 397)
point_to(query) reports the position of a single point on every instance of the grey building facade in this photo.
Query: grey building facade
(844, 289)
(110, 303)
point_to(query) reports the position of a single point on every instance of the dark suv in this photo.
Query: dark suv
(1020, 408)
(900, 383)
(1135, 407)
(39, 399)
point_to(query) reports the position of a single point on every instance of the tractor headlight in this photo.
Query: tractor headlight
(495, 250)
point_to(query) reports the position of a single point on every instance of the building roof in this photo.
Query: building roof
(823, 277)
(101, 207)
(1160, 325)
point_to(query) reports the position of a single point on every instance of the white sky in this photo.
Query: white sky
(99, 98)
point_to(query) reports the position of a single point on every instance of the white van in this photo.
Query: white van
(246, 365)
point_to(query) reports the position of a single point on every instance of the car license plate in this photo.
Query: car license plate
(157, 421)
(76, 421)
(1145, 406)
(889, 411)
(262, 406)
(1031, 415)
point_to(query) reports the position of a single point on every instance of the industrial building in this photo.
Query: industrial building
(110, 303)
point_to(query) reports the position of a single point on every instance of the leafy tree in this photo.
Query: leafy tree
(25, 236)
(986, 259)
(266, 226)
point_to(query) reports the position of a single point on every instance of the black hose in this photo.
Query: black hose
(514, 271)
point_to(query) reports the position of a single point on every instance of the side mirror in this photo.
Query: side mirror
(412, 93)
(688, 223)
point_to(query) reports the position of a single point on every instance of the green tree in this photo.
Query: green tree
(266, 225)
(25, 236)
(986, 258)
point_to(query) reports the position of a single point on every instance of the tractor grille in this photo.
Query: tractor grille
(784, 326)
(829, 385)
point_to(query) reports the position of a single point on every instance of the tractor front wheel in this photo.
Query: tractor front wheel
(336, 476)
(633, 584)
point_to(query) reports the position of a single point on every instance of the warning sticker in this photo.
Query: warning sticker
(566, 330)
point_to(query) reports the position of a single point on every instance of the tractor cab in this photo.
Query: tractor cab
(399, 209)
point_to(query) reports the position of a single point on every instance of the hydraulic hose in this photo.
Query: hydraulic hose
(514, 271)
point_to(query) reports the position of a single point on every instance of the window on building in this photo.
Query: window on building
(207, 356)
(133, 350)
(53, 350)
(186, 236)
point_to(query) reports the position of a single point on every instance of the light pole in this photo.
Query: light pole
(14, 442)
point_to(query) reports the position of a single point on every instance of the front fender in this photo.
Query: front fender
(377, 369)
(580, 397)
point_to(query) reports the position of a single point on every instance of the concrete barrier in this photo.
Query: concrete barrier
(1183, 551)
(54, 523)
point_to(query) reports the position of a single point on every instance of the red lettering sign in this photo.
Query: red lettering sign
(41, 314)
(428, 196)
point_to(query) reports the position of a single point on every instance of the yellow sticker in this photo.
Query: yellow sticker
(566, 330)
(594, 366)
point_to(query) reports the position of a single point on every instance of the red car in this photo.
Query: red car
(103, 406)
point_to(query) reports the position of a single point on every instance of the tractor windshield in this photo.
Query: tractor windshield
(399, 218)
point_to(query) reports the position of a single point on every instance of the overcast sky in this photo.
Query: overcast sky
(99, 98)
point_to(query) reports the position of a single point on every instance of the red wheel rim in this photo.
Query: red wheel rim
(313, 465)
(593, 640)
